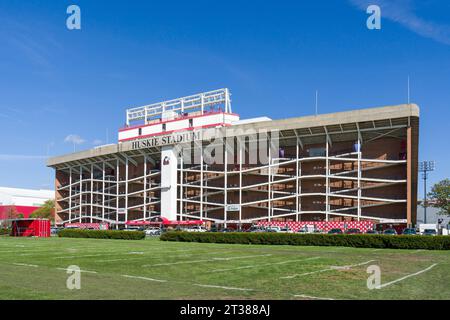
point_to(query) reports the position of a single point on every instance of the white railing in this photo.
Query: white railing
(179, 105)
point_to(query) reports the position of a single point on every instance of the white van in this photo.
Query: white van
(427, 226)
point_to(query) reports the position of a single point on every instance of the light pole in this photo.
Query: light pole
(425, 167)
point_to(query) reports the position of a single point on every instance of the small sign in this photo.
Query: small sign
(166, 161)
(233, 207)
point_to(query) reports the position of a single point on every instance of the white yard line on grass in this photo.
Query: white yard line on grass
(327, 269)
(407, 276)
(143, 278)
(25, 265)
(140, 258)
(241, 257)
(67, 269)
(204, 260)
(221, 287)
(158, 257)
(263, 265)
(88, 255)
(311, 297)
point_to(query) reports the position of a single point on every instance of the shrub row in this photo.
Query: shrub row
(354, 240)
(4, 231)
(102, 234)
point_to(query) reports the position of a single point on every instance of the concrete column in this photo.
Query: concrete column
(225, 187)
(70, 194)
(103, 191)
(81, 195)
(408, 177)
(169, 164)
(145, 187)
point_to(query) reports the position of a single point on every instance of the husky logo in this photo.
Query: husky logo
(166, 161)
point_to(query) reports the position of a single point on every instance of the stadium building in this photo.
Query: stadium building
(192, 158)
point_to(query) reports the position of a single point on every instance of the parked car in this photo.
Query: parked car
(430, 232)
(153, 232)
(286, 230)
(256, 229)
(391, 232)
(227, 230)
(427, 226)
(335, 231)
(409, 231)
(196, 229)
(132, 228)
(273, 229)
(353, 231)
(371, 232)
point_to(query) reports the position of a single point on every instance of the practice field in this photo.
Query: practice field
(152, 269)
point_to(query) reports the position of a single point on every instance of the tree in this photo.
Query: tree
(46, 211)
(12, 213)
(440, 194)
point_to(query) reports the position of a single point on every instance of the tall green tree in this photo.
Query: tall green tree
(440, 194)
(46, 211)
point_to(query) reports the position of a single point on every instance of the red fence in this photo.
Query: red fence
(363, 226)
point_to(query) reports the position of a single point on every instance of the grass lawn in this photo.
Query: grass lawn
(34, 268)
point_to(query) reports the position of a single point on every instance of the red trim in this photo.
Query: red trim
(172, 131)
(178, 119)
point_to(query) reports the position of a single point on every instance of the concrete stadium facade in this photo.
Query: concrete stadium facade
(197, 160)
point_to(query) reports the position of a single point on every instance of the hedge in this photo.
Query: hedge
(102, 234)
(343, 240)
(4, 231)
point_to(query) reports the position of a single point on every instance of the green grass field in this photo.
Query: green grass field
(33, 268)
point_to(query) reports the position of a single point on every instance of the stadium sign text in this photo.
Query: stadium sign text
(166, 140)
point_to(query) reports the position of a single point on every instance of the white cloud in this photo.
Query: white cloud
(402, 12)
(75, 139)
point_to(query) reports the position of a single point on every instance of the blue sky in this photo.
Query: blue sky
(58, 85)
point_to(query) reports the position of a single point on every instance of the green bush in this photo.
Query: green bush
(102, 234)
(4, 231)
(343, 240)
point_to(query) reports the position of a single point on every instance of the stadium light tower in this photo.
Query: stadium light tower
(425, 167)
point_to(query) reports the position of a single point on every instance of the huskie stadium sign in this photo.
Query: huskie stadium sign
(166, 140)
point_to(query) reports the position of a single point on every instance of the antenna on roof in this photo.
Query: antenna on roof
(409, 92)
(317, 101)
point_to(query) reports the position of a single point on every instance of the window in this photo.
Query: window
(317, 152)
(140, 131)
(164, 127)
(191, 123)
